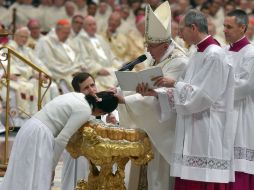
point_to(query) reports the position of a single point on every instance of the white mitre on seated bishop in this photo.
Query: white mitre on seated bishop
(158, 23)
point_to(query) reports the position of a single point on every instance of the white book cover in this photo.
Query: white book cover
(129, 80)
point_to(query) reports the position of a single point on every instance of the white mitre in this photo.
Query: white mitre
(158, 23)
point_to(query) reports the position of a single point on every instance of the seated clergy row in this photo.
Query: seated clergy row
(68, 49)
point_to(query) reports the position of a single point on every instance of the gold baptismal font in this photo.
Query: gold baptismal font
(106, 146)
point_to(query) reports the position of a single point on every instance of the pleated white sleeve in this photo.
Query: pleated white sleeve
(244, 79)
(198, 91)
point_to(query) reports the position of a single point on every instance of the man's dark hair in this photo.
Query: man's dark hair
(78, 79)
(241, 17)
(198, 19)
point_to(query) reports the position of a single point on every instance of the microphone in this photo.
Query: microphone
(129, 66)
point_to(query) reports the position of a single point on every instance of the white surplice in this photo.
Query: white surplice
(204, 136)
(243, 64)
(143, 112)
(73, 170)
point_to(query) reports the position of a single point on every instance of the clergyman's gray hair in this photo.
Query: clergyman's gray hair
(241, 17)
(198, 19)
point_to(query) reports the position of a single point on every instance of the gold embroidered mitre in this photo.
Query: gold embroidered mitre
(158, 23)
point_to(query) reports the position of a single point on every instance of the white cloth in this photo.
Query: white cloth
(242, 62)
(158, 173)
(97, 46)
(204, 129)
(63, 116)
(73, 170)
(143, 112)
(31, 161)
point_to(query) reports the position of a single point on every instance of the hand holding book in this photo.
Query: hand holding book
(129, 80)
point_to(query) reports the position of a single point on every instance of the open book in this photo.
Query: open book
(129, 80)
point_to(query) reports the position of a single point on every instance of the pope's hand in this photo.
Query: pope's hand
(163, 81)
(120, 98)
(144, 90)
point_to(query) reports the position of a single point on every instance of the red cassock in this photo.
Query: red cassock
(243, 181)
(181, 184)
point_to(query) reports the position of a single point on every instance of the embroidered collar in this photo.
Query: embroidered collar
(201, 46)
(237, 46)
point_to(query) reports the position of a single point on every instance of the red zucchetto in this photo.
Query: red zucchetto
(63, 22)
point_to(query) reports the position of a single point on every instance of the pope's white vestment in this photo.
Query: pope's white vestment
(143, 112)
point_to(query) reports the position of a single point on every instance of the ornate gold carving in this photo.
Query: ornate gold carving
(105, 147)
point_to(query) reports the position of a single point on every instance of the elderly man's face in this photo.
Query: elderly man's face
(63, 33)
(35, 29)
(21, 38)
(114, 22)
(90, 26)
(157, 50)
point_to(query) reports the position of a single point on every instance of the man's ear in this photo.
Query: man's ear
(193, 27)
(243, 28)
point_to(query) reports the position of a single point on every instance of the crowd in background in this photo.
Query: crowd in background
(67, 37)
(48, 12)
(64, 38)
